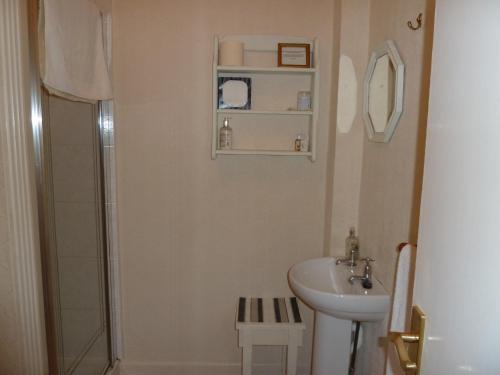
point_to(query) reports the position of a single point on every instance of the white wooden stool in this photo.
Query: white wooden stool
(269, 321)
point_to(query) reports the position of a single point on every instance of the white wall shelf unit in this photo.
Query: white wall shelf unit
(256, 112)
(269, 70)
(272, 123)
(263, 152)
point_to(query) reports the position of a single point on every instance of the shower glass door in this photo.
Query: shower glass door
(74, 255)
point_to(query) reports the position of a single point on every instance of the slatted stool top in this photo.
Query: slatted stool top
(268, 312)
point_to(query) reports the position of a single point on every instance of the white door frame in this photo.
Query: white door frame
(16, 151)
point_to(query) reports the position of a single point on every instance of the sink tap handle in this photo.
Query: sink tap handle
(368, 260)
(368, 268)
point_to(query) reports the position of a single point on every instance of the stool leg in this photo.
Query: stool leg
(247, 360)
(283, 359)
(291, 360)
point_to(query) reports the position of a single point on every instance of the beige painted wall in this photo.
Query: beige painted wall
(103, 5)
(196, 233)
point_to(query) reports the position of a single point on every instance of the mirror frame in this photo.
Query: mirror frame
(388, 48)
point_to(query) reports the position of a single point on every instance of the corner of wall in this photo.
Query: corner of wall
(330, 164)
(347, 151)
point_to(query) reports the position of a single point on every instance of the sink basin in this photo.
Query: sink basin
(324, 286)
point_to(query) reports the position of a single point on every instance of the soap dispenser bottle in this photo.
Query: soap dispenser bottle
(225, 135)
(352, 245)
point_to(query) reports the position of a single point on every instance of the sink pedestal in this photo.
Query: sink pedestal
(324, 286)
(332, 345)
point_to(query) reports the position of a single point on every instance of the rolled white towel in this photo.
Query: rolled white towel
(401, 302)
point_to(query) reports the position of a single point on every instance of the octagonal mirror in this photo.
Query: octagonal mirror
(383, 92)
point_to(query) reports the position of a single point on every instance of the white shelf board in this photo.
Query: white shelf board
(258, 69)
(257, 112)
(262, 152)
(267, 43)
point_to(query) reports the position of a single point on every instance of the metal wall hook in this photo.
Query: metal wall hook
(419, 23)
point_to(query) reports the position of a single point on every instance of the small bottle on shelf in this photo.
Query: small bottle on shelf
(225, 135)
(300, 144)
(304, 143)
(352, 245)
(304, 101)
(297, 144)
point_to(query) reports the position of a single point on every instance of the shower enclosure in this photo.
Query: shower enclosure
(68, 147)
(75, 256)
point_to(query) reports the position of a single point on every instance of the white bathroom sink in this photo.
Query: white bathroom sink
(324, 286)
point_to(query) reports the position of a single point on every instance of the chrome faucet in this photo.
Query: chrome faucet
(366, 279)
(351, 261)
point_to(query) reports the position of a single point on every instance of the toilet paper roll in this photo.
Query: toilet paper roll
(231, 53)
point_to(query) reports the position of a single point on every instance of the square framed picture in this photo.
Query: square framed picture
(234, 93)
(296, 55)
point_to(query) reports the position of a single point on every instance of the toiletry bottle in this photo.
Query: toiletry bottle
(352, 244)
(225, 135)
(304, 101)
(297, 144)
(304, 143)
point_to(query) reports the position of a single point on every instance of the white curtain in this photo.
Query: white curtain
(72, 56)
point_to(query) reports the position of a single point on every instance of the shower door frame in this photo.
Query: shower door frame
(49, 249)
(44, 191)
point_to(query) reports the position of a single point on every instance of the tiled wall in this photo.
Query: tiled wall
(78, 253)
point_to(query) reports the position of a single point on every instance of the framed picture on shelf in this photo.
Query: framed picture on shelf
(234, 93)
(296, 55)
